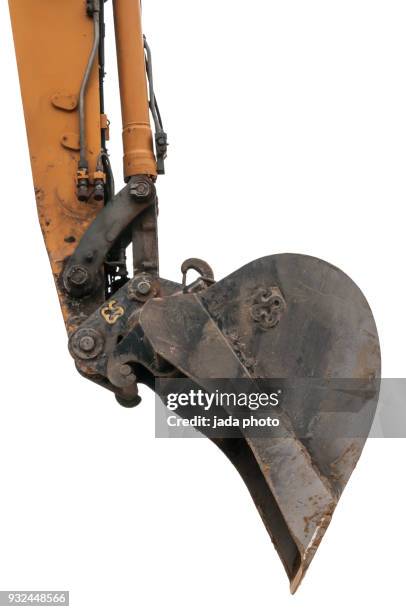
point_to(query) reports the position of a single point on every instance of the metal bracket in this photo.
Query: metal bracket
(83, 271)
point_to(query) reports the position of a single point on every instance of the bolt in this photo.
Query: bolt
(78, 276)
(87, 344)
(142, 189)
(144, 287)
(77, 280)
(125, 370)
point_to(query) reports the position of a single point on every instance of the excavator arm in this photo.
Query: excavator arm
(291, 318)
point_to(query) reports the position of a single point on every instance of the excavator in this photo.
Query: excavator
(285, 317)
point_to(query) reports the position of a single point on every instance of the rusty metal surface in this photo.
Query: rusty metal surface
(51, 60)
(326, 331)
(99, 239)
(115, 339)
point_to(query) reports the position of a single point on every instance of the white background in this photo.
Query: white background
(287, 124)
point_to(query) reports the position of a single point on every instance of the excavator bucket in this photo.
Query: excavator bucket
(290, 321)
(304, 323)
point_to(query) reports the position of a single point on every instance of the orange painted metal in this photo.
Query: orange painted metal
(139, 155)
(53, 42)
